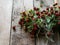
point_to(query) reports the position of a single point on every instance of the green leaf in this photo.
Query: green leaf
(29, 30)
(35, 16)
(50, 39)
(52, 15)
(48, 19)
(30, 26)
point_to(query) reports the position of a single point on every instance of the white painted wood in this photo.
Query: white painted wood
(20, 37)
(37, 3)
(42, 41)
(5, 21)
(28, 4)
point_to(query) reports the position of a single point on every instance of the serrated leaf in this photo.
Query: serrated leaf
(47, 19)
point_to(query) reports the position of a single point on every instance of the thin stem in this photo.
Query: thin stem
(35, 33)
(35, 39)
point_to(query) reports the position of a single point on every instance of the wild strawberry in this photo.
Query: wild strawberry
(52, 12)
(35, 25)
(51, 8)
(22, 19)
(48, 33)
(21, 23)
(39, 16)
(24, 13)
(41, 12)
(49, 14)
(56, 13)
(58, 22)
(59, 7)
(47, 8)
(33, 18)
(35, 28)
(43, 17)
(55, 4)
(36, 9)
(46, 12)
(14, 28)
(27, 20)
(37, 13)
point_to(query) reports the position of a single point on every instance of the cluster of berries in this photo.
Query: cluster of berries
(30, 18)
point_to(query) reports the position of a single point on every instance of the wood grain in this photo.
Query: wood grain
(20, 37)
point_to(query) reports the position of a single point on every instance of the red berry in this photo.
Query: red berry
(56, 14)
(14, 28)
(35, 28)
(43, 16)
(27, 20)
(34, 24)
(55, 4)
(24, 13)
(46, 12)
(39, 16)
(47, 8)
(56, 11)
(41, 12)
(36, 9)
(49, 14)
(33, 18)
(22, 19)
(37, 13)
(21, 23)
(59, 7)
(52, 12)
(49, 33)
(51, 8)
(58, 22)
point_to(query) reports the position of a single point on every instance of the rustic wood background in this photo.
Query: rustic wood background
(20, 37)
(7, 36)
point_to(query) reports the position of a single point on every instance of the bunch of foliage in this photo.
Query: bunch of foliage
(38, 22)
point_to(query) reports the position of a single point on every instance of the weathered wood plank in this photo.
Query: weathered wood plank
(41, 41)
(5, 19)
(20, 37)
(56, 38)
